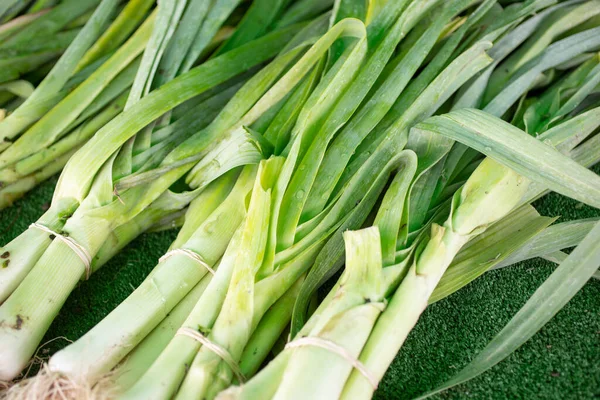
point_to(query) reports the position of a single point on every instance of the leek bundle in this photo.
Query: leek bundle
(350, 358)
(306, 102)
(405, 140)
(89, 203)
(299, 253)
(350, 362)
(282, 264)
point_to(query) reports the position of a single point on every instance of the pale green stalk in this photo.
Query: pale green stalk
(25, 318)
(106, 344)
(90, 231)
(354, 308)
(28, 173)
(262, 386)
(61, 268)
(161, 382)
(234, 324)
(22, 253)
(491, 185)
(148, 350)
(268, 331)
(493, 247)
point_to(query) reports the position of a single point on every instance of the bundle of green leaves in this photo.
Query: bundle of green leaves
(117, 184)
(431, 125)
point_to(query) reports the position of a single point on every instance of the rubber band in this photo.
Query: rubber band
(215, 348)
(337, 349)
(190, 254)
(78, 249)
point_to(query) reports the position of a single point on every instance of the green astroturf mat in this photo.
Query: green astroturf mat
(561, 362)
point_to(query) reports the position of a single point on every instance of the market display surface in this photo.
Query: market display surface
(298, 199)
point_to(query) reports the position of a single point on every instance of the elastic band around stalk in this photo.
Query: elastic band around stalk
(215, 348)
(190, 254)
(337, 349)
(78, 249)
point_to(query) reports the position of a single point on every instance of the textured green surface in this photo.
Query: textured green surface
(560, 362)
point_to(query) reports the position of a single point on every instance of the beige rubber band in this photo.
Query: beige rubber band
(337, 349)
(215, 348)
(78, 249)
(190, 254)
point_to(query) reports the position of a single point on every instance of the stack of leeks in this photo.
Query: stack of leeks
(338, 125)
(393, 270)
(117, 185)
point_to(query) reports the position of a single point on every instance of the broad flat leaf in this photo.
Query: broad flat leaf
(548, 299)
(556, 54)
(555, 24)
(552, 239)
(518, 151)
